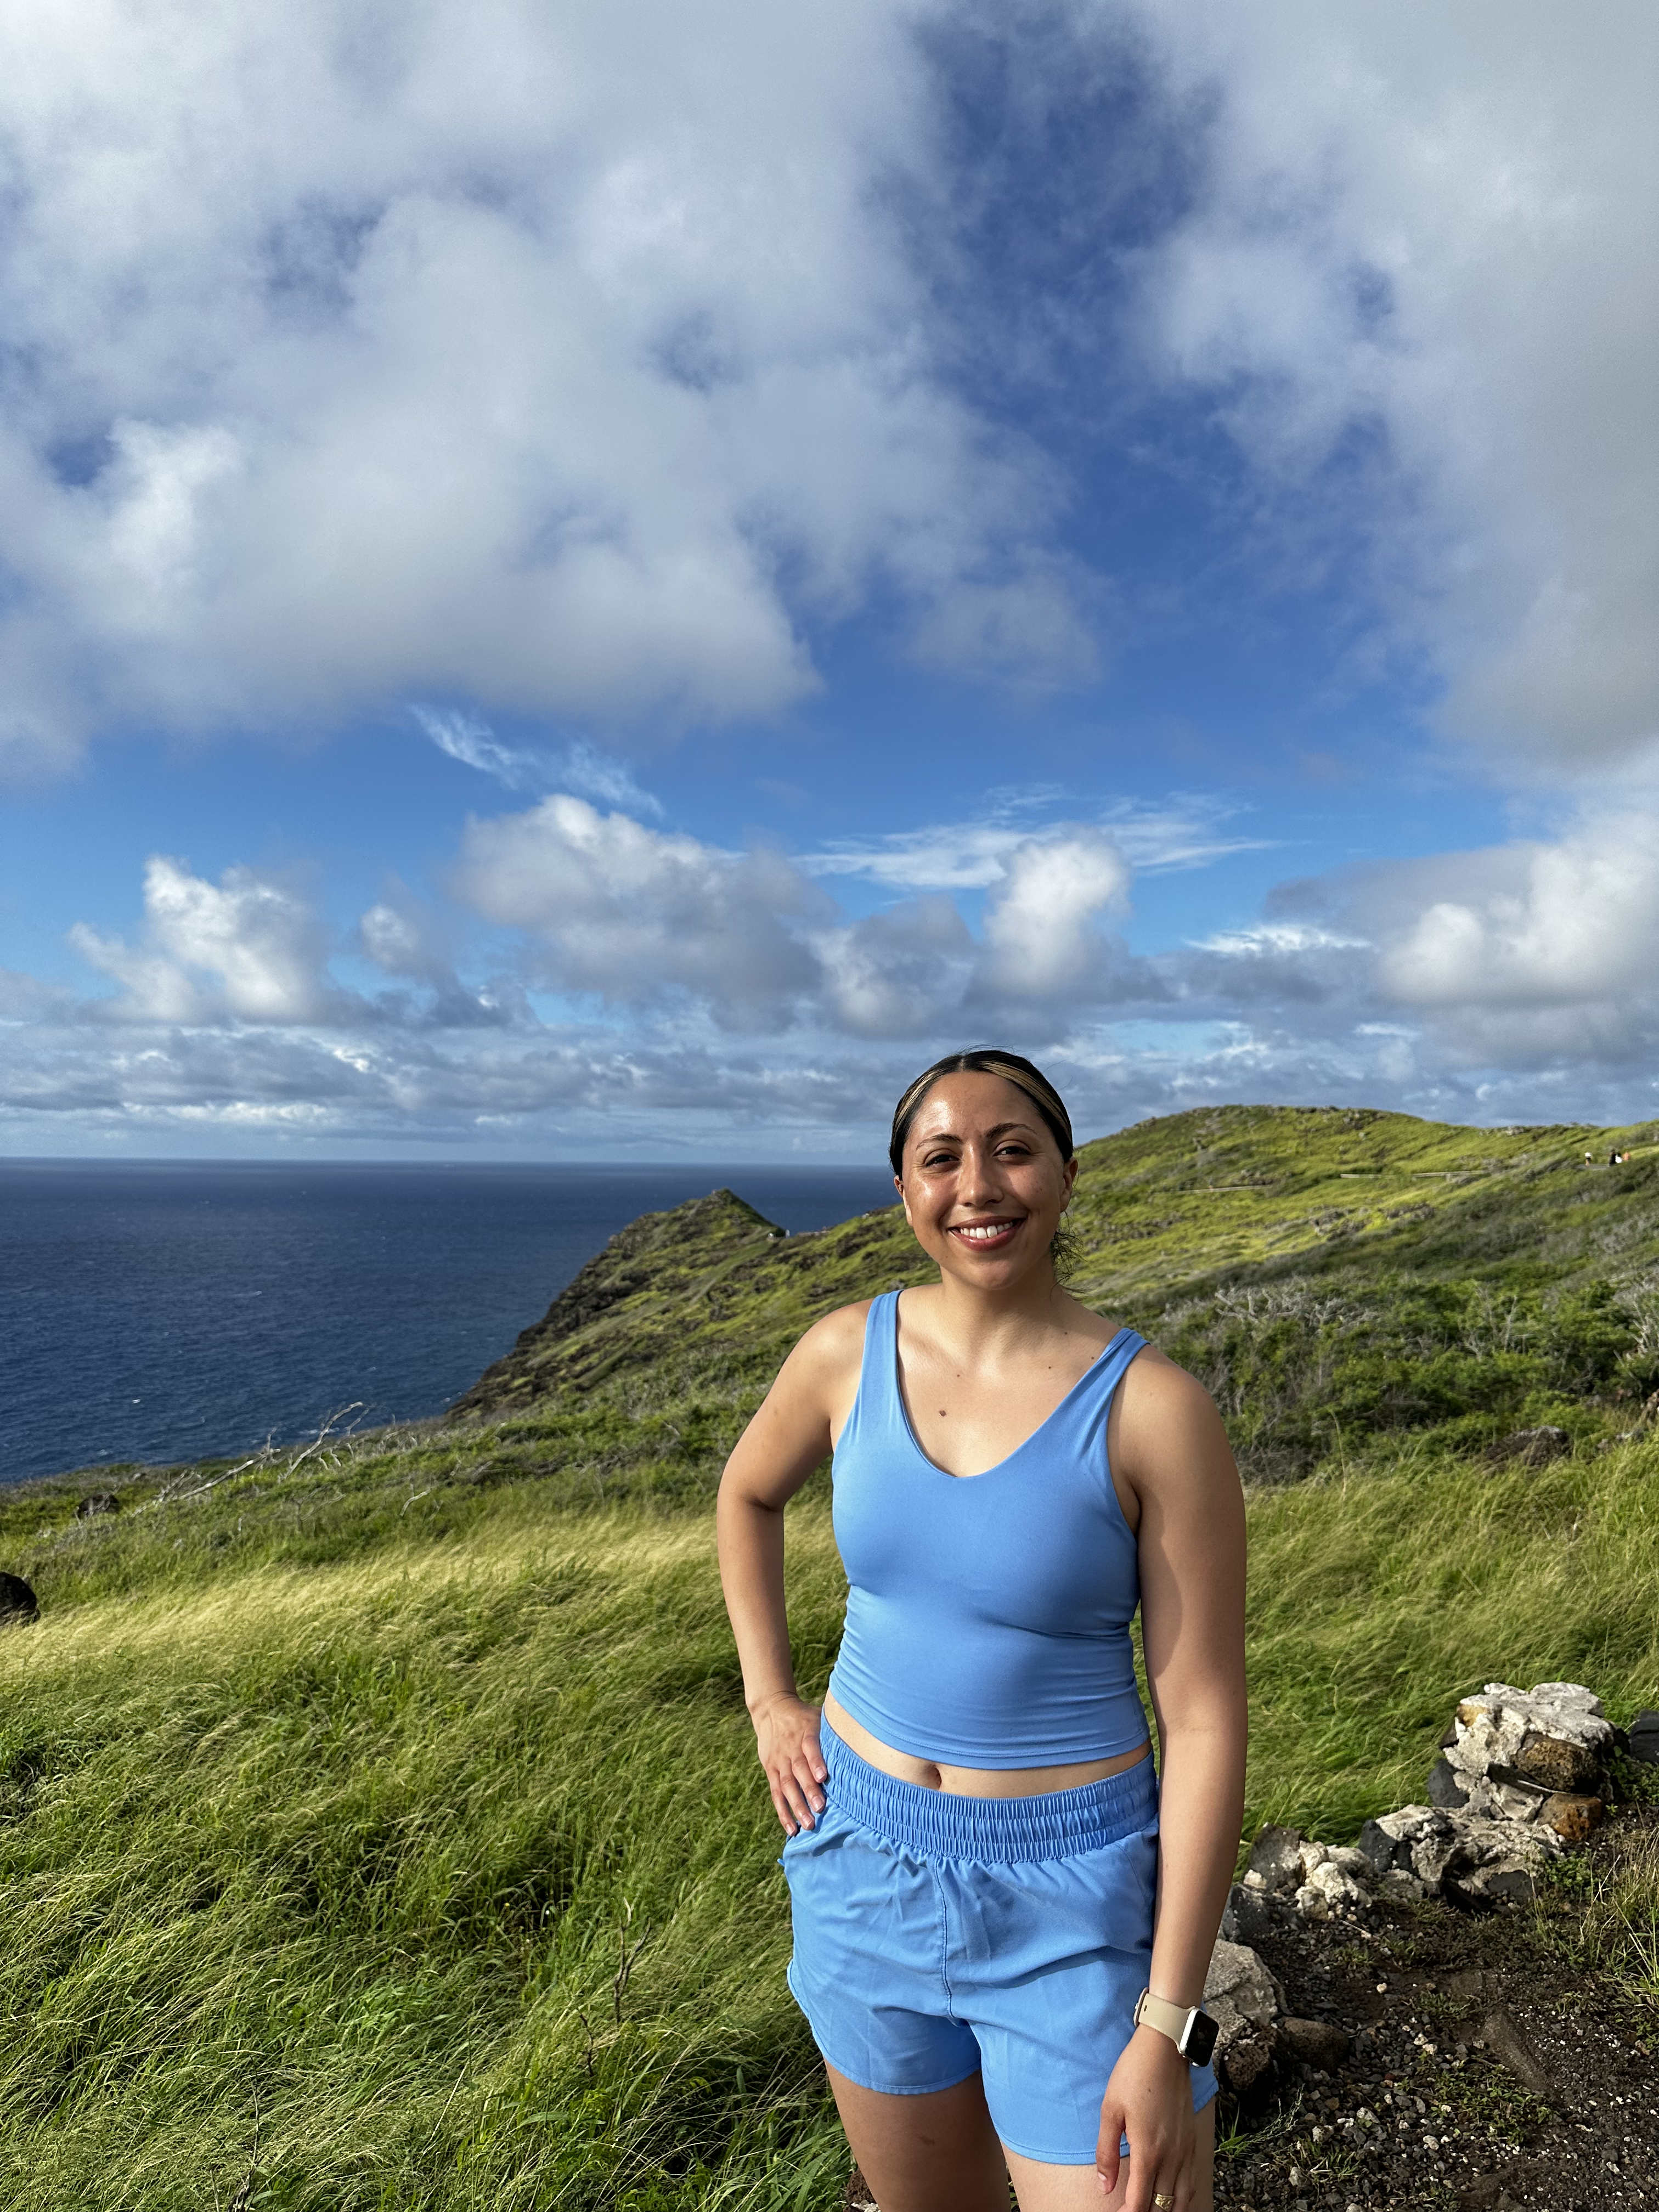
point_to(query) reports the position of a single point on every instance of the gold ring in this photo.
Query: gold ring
(1161, 2202)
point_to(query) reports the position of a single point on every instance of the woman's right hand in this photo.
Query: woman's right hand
(786, 1738)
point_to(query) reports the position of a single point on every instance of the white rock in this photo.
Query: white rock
(1340, 1891)
(1398, 1883)
(1494, 1729)
(1276, 1858)
(1430, 1844)
(1500, 1800)
(1312, 1904)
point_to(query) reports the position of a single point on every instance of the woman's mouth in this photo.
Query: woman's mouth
(982, 1236)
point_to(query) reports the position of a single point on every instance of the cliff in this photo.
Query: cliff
(1325, 1271)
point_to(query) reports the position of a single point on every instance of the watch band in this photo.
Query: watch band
(1187, 2026)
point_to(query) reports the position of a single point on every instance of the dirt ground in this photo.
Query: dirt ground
(1447, 2012)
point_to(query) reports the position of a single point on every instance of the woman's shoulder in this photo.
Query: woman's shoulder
(1165, 1418)
(832, 1348)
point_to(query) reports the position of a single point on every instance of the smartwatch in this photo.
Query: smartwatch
(1190, 2029)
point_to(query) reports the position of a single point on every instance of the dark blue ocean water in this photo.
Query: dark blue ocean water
(169, 1310)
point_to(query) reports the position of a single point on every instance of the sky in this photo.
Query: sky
(601, 584)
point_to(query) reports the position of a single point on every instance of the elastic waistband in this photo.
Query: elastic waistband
(997, 1829)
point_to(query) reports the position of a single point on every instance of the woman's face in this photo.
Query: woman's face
(983, 1185)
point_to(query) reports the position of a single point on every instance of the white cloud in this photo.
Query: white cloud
(900, 973)
(469, 739)
(1186, 833)
(1042, 924)
(1568, 924)
(641, 916)
(495, 351)
(638, 915)
(574, 361)
(602, 776)
(244, 949)
(1513, 983)
(1277, 939)
(1435, 229)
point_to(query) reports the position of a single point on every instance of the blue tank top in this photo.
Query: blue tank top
(988, 1615)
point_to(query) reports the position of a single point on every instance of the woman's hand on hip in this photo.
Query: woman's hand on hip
(786, 1738)
(1150, 2099)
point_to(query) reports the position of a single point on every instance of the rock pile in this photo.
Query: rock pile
(1535, 1755)
(1523, 1776)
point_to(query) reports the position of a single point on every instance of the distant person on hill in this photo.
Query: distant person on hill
(1002, 1919)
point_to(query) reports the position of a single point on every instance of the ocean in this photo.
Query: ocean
(162, 1310)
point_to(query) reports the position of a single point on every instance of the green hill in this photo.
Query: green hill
(1332, 1275)
(379, 1820)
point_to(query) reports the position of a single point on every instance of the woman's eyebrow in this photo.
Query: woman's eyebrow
(997, 1129)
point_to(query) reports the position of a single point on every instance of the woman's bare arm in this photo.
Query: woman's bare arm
(1173, 1452)
(1192, 1611)
(791, 1434)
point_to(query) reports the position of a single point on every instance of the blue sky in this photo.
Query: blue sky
(585, 584)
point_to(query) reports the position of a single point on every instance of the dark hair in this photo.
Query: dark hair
(986, 1060)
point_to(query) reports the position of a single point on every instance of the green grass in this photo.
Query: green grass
(329, 1872)
(379, 1825)
(1332, 1276)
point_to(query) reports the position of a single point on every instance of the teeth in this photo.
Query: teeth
(982, 1234)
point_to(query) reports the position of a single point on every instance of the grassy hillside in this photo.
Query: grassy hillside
(378, 1824)
(1334, 1276)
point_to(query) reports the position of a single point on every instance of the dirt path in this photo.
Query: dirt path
(1487, 2073)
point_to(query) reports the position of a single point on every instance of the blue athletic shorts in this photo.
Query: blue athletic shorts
(938, 1936)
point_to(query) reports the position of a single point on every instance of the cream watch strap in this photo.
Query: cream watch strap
(1170, 2020)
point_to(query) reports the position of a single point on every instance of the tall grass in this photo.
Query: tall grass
(391, 1839)
(1382, 1594)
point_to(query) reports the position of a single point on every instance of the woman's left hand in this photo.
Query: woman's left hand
(1150, 2099)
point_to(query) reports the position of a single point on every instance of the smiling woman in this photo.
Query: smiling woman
(1012, 1068)
(1000, 1938)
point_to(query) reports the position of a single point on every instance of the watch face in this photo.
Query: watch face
(1200, 2038)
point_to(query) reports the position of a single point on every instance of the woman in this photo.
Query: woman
(982, 1880)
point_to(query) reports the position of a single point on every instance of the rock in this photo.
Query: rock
(1445, 1790)
(1508, 1881)
(1336, 1888)
(1404, 1888)
(1315, 2043)
(1505, 2040)
(1558, 1765)
(1276, 1861)
(99, 1501)
(1512, 1749)
(1644, 1738)
(860, 2197)
(1242, 1998)
(1575, 1820)
(1249, 1916)
(18, 1602)
(1318, 1879)
(1531, 1447)
(1446, 1851)
(1418, 1839)
(1352, 1862)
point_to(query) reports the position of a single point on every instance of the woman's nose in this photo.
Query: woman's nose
(978, 1181)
